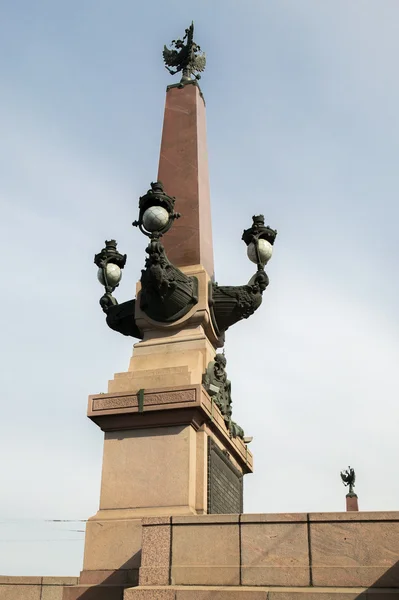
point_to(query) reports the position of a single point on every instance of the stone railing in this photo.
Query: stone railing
(314, 551)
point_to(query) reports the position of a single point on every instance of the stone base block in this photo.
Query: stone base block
(123, 577)
(17, 592)
(168, 359)
(166, 452)
(112, 546)
(34, 588)
(93, 592)
(150, 468)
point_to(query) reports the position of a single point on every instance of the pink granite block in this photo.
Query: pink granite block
(274, 518)
(52, 592)
(352, 503)
(20, 592)
(359, 554)
(355, 516)
(275, 554)
(204, 519)
(149, 594)
(49, 580)
(206, 554)
(114, 577)
(93, 592)
(16, 580)
(306, 594)
(156, 546)
(220, 594)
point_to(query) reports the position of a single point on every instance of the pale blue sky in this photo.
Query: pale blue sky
(302, 113)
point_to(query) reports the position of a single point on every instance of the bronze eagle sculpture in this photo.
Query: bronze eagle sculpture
(348, 478)
(186, 57)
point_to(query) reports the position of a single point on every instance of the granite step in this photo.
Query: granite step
(258, 593)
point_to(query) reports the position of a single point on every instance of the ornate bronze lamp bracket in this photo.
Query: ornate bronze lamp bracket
(230, 304)
(167, 294)
(110, 264)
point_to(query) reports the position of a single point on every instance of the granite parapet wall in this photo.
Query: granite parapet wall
(34, 588)
(316, 550)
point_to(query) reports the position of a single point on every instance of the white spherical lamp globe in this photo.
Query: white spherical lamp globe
(155, 218)
(265, 251)
(113, 273)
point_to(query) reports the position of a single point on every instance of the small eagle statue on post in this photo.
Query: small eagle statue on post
(348, 478)
(186, 57)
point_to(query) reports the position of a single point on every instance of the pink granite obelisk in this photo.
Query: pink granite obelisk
(352, 502)
(183, 170)
(160, 425)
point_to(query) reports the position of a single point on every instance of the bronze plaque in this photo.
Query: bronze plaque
(225, 483)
